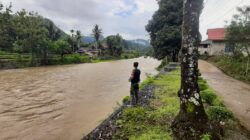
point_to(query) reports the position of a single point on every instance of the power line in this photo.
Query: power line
(226, 13)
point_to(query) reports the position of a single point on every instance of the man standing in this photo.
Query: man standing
(135, 79)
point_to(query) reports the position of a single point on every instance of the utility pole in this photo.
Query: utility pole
(192, 121)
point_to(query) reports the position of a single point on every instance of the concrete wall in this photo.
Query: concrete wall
(217, 48)
(214, 48)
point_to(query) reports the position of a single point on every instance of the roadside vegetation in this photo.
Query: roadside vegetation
(154, 121)
(237, 67)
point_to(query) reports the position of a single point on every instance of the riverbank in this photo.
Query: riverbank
(152, 118)
(15, 60)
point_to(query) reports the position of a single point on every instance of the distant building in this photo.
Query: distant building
(91, 51)
(215, 44)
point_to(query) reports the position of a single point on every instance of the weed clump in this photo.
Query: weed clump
(126, 99)
(208, 96)
(218, 113)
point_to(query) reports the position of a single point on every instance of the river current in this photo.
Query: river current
(63, 102)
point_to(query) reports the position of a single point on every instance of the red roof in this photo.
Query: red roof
(216, 34)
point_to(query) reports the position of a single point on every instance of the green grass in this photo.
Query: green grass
(153, 122)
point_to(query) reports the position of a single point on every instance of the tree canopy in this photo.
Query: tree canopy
(238, 32)
(165, 29)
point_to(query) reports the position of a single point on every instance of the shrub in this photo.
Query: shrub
(218, 102)
(218, 113)
(208, 96)
(206, 137)
(203, 86)
(134, 114)
(126, 99)
(148, 81)
(75, 58)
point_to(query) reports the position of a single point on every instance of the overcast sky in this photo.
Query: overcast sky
(127, 17)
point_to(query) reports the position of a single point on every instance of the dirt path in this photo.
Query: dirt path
(235, 94)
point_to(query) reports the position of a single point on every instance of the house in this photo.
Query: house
(91, 51)
(215, 43)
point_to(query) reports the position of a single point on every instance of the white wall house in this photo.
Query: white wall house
(215, 44)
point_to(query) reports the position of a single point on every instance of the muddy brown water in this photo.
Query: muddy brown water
(63, 102)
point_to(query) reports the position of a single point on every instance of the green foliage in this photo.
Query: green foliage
(218, 102)
(208, 96)
(97, 33)
(206, 137)
(153, 134)
(114, 44)
(235, 66)
(202, 84)
(165, 28)
(190, 107)
(75, 58)
(218, 113)
(126, 99)
(152, 122)
(238, 31)
(148, 81)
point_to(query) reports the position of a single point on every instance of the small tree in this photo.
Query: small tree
(62, 47)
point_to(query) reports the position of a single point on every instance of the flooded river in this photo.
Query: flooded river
(63, 102)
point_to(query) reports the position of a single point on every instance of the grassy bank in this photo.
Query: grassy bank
(152, 122)
(15, 60)
(236, 67)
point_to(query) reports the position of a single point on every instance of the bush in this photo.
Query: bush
(203, 86)
(126, 99)
(218, 102)
(218, 113)
(148, 81)
(208, 96)
(206, 137)
(134, 114)
(75, 58)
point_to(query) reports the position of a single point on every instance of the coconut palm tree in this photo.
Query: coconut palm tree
(78, 38)
(72, 40)
(97, 32)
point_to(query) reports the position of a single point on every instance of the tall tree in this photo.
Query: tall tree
(7, 30)
(238, 32)
(114, 43)
(31, 33)
(165, 29)
(62, 47)
(78, 39)
(97, 33)
(72, 40)
(192, 121)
